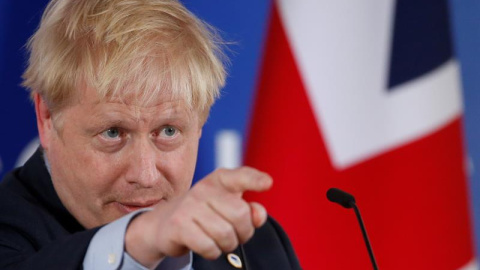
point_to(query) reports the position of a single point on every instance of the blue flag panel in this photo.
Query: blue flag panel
(421, 40)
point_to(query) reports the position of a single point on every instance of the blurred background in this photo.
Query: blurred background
(426, 172)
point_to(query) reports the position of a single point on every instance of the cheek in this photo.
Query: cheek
(98, 171)
(85, 173)
(181, 166)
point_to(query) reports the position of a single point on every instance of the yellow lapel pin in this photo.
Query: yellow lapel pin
(234, 260)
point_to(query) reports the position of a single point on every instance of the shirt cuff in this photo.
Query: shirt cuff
(169, 263)
(106, 249)
(130, 263)
(177, 263)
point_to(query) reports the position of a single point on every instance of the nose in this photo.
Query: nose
(142, 169)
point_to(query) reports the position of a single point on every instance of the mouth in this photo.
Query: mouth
(128, 207)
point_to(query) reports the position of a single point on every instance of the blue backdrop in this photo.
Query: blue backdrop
(244, 24)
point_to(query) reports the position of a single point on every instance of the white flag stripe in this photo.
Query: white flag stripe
(27, 152)
(228, 149)
(472, 265)
(342, 49)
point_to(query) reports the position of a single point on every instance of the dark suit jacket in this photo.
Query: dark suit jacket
(37, 232)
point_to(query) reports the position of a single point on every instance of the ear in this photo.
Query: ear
(44, 121)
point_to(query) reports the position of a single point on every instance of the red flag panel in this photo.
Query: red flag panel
(413, 198)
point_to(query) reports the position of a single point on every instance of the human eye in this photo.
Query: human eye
(111, 134)
(169, 132)
(110, 139)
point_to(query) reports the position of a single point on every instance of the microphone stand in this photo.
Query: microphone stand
(365, 236)
(346, 200)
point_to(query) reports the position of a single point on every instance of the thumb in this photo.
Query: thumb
(259, 214)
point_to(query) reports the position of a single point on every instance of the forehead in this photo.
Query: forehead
(132, 103)
(127, 94)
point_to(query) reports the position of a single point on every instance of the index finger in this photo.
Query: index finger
(244, 179)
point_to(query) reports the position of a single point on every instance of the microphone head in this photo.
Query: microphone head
(341, 197)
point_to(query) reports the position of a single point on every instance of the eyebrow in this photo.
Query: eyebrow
(104, 124)
(113, 119)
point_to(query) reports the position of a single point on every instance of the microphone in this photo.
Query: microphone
(348, 201)
(341, 197)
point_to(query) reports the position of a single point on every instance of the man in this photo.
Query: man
(122, 89)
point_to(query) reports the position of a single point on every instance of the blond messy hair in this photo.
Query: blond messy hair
(138, 48)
